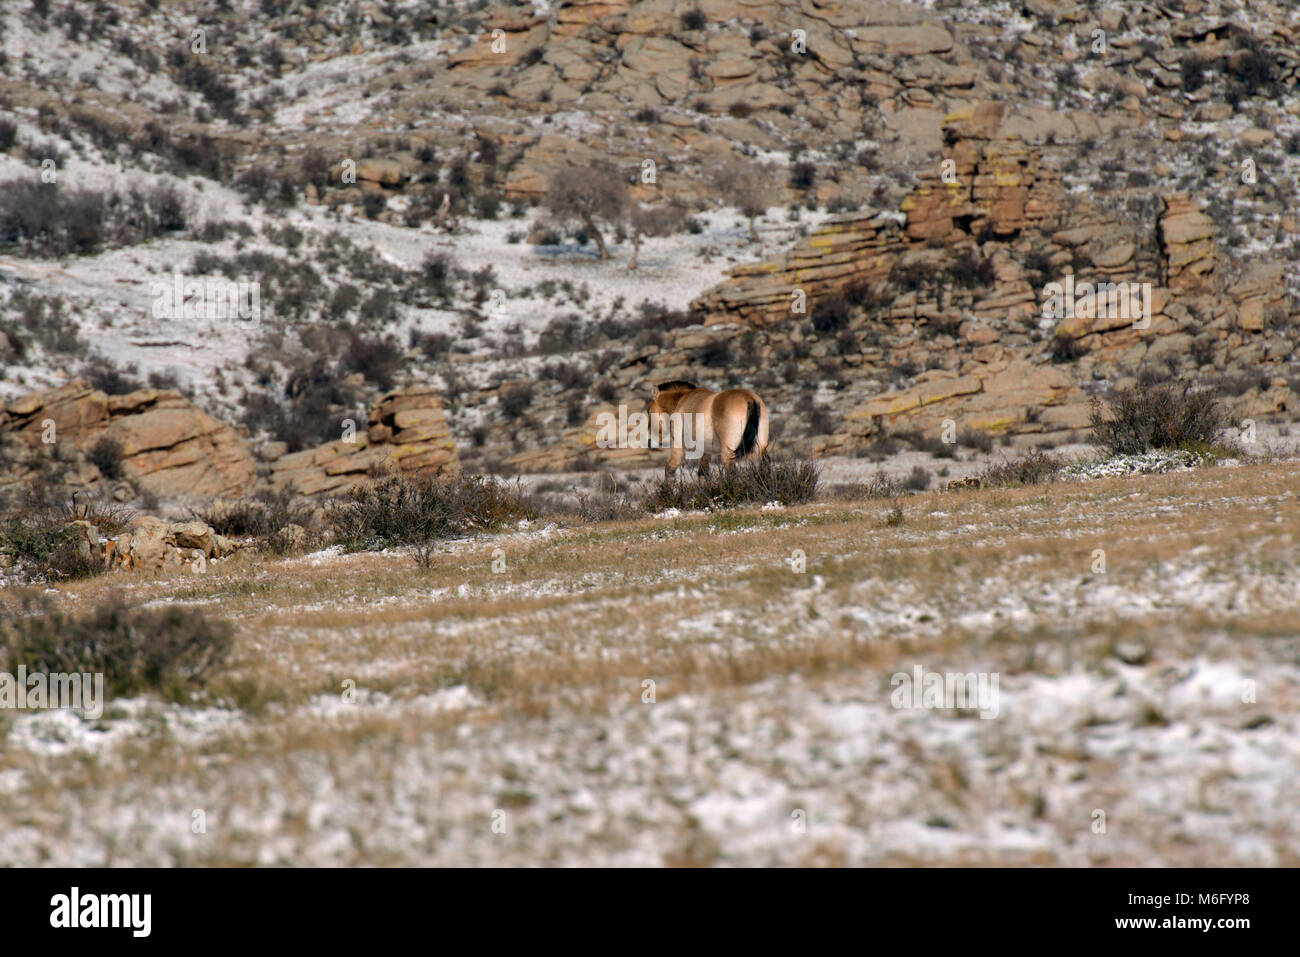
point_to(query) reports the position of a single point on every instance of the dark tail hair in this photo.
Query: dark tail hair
(751, 431)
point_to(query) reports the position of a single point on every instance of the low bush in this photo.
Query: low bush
(1065, 348)
(788, 481)
(831, 314)
(879, 486)
(40, 542)
(1157, 415)
(378, 358)
(975, 439)
(918, 480)
(609, 503)
(110, 379)
(1034, 466)
(106, 455)
(171, 650)
(694, 19)
(410, 510)
(45, 219)
(267, 519)
(514, 398)
(970, 271)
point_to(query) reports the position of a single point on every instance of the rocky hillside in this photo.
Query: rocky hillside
(381, 171)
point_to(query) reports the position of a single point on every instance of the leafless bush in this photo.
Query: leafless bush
(1034, 466)
(788, 481)
(409, 510)
(747, 185)
(1157, 415)
(171, 650)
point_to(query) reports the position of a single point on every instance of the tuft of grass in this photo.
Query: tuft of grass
(788, 481)
(171, 650)
(413, 510)
(1032, 468)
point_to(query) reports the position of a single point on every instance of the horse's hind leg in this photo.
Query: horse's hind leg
(674, 460)
(704, 464)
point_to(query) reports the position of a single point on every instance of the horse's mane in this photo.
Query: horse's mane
(676, 384)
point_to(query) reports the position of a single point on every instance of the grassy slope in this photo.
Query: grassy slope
(521, 691)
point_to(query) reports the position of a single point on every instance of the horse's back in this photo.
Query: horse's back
(696, 401)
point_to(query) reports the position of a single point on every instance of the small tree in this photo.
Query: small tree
(646, 221)
(588, 195)
(746, 185)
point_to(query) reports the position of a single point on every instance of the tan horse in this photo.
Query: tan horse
(735, 419)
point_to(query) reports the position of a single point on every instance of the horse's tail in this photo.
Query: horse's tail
(750, 437)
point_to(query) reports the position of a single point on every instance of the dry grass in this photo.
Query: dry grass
(628, 578)
(574, 620)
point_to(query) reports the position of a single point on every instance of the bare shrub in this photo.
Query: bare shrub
(171, 650)
(971, 271)
(975, 439)
(106, 455)
(918, 480)
(266, 519)
(514, 398)
(1157, 415)
(1065, 348)
(644, 222)
(803, 175)
(831, 314)
(377, 358)
(788, 481)
(1033, 467)
(45, 220)
(40, 541)
(409, 510)
(109, 378)
(694, 19)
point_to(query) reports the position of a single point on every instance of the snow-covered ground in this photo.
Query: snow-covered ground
(1146, 708)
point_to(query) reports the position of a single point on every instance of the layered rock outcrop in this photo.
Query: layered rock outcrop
(988, 186)
(167, 446)
(161, 444)
(407, 430)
